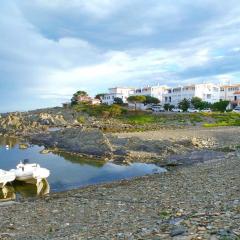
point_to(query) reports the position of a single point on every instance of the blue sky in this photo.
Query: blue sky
(50, 49)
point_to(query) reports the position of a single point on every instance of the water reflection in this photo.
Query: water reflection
(68, 171)
(24, 190)
(74, 158)
(8, 142)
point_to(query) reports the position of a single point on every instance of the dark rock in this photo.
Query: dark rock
(176, 231)
(121, 152)
(88, 141)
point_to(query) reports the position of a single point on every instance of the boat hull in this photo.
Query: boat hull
(31, 174)
(7, 193)
(6, 177)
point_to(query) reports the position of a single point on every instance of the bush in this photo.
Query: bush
(115, 110)
(81, 119)
(99, 110)
(220, 106)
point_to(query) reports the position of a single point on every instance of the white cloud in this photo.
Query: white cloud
(107, 43)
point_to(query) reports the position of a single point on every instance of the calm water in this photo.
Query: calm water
(67, 171)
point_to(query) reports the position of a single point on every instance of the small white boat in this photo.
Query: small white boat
(5, 177)
(30, 173)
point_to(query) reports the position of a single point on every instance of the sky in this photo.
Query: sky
(51, 49)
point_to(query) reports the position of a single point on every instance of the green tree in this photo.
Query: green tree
(184, 104)
(199, 104)
(150, 100)
(220, 106)
(168, 107)
(136, 99)
(196, 102)
(75, 96)
(99, 96)
(118, 101)
(205, 105)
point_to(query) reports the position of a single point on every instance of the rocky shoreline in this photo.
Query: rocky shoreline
(196, 202)
(89, 139)
(198, 198)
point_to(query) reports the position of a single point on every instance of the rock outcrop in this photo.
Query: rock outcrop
(83, 141)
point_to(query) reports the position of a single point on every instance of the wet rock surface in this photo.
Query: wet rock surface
(177, 147)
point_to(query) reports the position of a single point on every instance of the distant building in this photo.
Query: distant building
(117, 92)
(83, 99)
(95, 101)
(88, 100)
(152, 91)
(208, 92)
(231, 93)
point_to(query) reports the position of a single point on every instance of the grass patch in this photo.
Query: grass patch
(102, 110)
(140, 119)
(223, 119)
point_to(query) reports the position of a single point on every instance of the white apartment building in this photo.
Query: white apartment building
(231, 93)
(153, 91)
(208, 92)
(117, 92)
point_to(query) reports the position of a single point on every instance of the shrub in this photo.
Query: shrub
(81, 119)
(115, 110)
(99, 110)
(220, 106)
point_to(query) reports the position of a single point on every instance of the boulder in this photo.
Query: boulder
(23, 146)
(83, 141)
(51, 119)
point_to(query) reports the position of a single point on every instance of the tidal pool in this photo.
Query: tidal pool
(67, 171)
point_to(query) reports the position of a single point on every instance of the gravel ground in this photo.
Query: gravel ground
(222, 135)
(200, 201)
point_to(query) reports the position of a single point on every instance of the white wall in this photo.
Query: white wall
(207, 92)
(117, 92)
(228, 92)
(153, 91)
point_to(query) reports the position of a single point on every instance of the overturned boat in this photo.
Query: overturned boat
(30, 172)
(6, 177)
